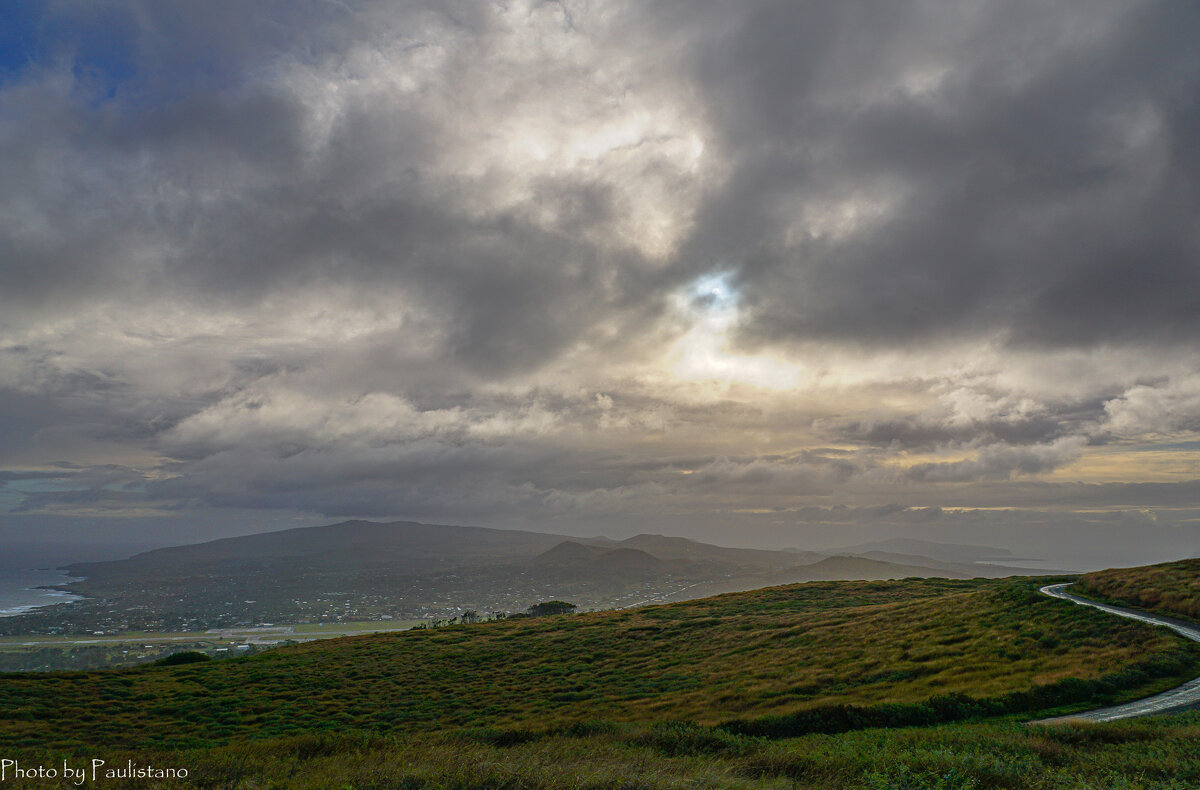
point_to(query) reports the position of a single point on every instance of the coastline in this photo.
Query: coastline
(25, 591)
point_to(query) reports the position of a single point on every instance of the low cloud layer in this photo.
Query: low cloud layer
(601, 267)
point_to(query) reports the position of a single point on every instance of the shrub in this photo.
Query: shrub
(679, 738)
(186, 657)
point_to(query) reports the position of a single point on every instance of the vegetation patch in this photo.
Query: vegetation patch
(1155, 754)
(185, 657)
(1171, 589)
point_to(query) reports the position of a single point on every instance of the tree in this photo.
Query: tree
(546, 608)
(187, 657)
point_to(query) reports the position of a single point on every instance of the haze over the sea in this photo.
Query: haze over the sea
(767, 273)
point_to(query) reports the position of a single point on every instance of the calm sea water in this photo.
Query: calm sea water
(19, 593)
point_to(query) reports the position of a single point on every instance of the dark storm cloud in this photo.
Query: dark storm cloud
(1029, 162)
(1034, 166)
(196, 171)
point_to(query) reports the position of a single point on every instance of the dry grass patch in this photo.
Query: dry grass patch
(1172, 588)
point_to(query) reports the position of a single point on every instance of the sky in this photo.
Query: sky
(778, 273)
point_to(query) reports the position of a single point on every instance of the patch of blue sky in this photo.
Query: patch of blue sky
(20, 42)
(104, 52)
(100, 44)
(714, 290)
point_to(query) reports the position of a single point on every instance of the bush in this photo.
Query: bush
(186, 657)
(683, 738)
(502, 737)
(548, 608)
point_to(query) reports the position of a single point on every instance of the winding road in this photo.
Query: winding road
(1179, 697)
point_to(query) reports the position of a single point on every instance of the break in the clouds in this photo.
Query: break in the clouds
(603, 266)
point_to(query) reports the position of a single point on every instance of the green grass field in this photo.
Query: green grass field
(1154, 754)
(780, 660)
(1172, 588)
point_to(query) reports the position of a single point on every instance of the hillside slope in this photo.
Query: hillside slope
(1172, 588)
(744, 656)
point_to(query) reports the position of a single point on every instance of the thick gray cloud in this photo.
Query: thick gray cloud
(914, 170)
(598, 264)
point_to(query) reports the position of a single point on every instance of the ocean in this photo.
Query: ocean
(19, 593)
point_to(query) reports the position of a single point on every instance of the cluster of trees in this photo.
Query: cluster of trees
(547, 608)
(470, 616)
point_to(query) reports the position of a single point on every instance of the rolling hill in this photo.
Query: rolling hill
(865, 568)
(573, 557)
(1172, 589)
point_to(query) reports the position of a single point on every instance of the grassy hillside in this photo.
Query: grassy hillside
(777, 661)
(1172, 588)
(1154, 754)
